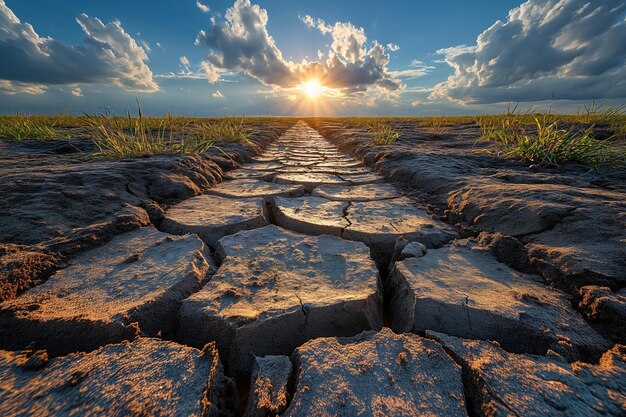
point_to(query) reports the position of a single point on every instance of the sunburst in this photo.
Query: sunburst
(312, 88)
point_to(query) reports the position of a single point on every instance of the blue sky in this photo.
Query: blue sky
(391, 57)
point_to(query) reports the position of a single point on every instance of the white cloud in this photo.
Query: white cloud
(160, 46)
(17, 87)
(202, 72)
(392, 47)
(242, 44)
(77, 92)
(146, 46)
(561, 49)
(307, 20)
(109, 56)
(453, 51)
(211, 73)
(412, 73)
(416, 63)
(184, 61)
(203, 7)
(418, 89)
(218, 94)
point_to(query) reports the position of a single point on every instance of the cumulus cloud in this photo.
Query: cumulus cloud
(109, 55)
(242, 43)
(218, 94)
(393, 47)
(561, 49)
(76, 92)
(203, 7)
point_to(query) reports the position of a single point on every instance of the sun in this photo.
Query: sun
(312, 88)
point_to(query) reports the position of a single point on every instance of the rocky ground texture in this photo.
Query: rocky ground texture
(305, 283)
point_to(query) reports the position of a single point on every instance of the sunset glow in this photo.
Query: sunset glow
(312, 88)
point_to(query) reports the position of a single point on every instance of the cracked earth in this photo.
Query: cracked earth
(303, 284)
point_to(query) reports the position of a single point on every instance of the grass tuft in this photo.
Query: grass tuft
(382, 134)
(437, 125)
(596, 114)
(131, 137)
(545, 143)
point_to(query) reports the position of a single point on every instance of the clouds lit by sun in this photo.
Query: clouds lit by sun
(364, 57)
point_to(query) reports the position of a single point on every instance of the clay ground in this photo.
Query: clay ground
(311, 273)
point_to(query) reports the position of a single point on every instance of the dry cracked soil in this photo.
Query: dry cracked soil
(310, 275)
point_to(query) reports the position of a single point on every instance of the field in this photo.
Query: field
(595, 136)
(373, 250)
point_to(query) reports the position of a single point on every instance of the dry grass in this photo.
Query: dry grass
(438, 125)
(547, 138)
(131, 137)
(382, 133)
(545, 142)
(229, 129)
(21, 127)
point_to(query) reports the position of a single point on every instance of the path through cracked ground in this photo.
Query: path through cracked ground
(302, 285)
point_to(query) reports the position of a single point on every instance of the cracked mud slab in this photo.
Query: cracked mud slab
(311, 215)
(242, 174)
(298, 163)
(277, 289)
(262, 166)
(138, 277)
(507, 384)
(605, 309)
(570, 220)
(308, 180)
(365, 192)
(378, 224)
(340, 170)
(465, 292)
(269, 394)
(358, 179)
(347, 163)
(309, 157)
(145, 377)
(213, 217)
(255, 188)
(324, 170)
(376, 374)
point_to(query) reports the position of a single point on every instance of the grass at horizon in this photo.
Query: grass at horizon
(20, 126)
(542, 138)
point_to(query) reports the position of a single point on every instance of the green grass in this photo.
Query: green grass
(131, 137)
(438, 125)
(22, 127)
(545, 143)
(224, 130)
(544, 139)
(596, 114)
(382, 133)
